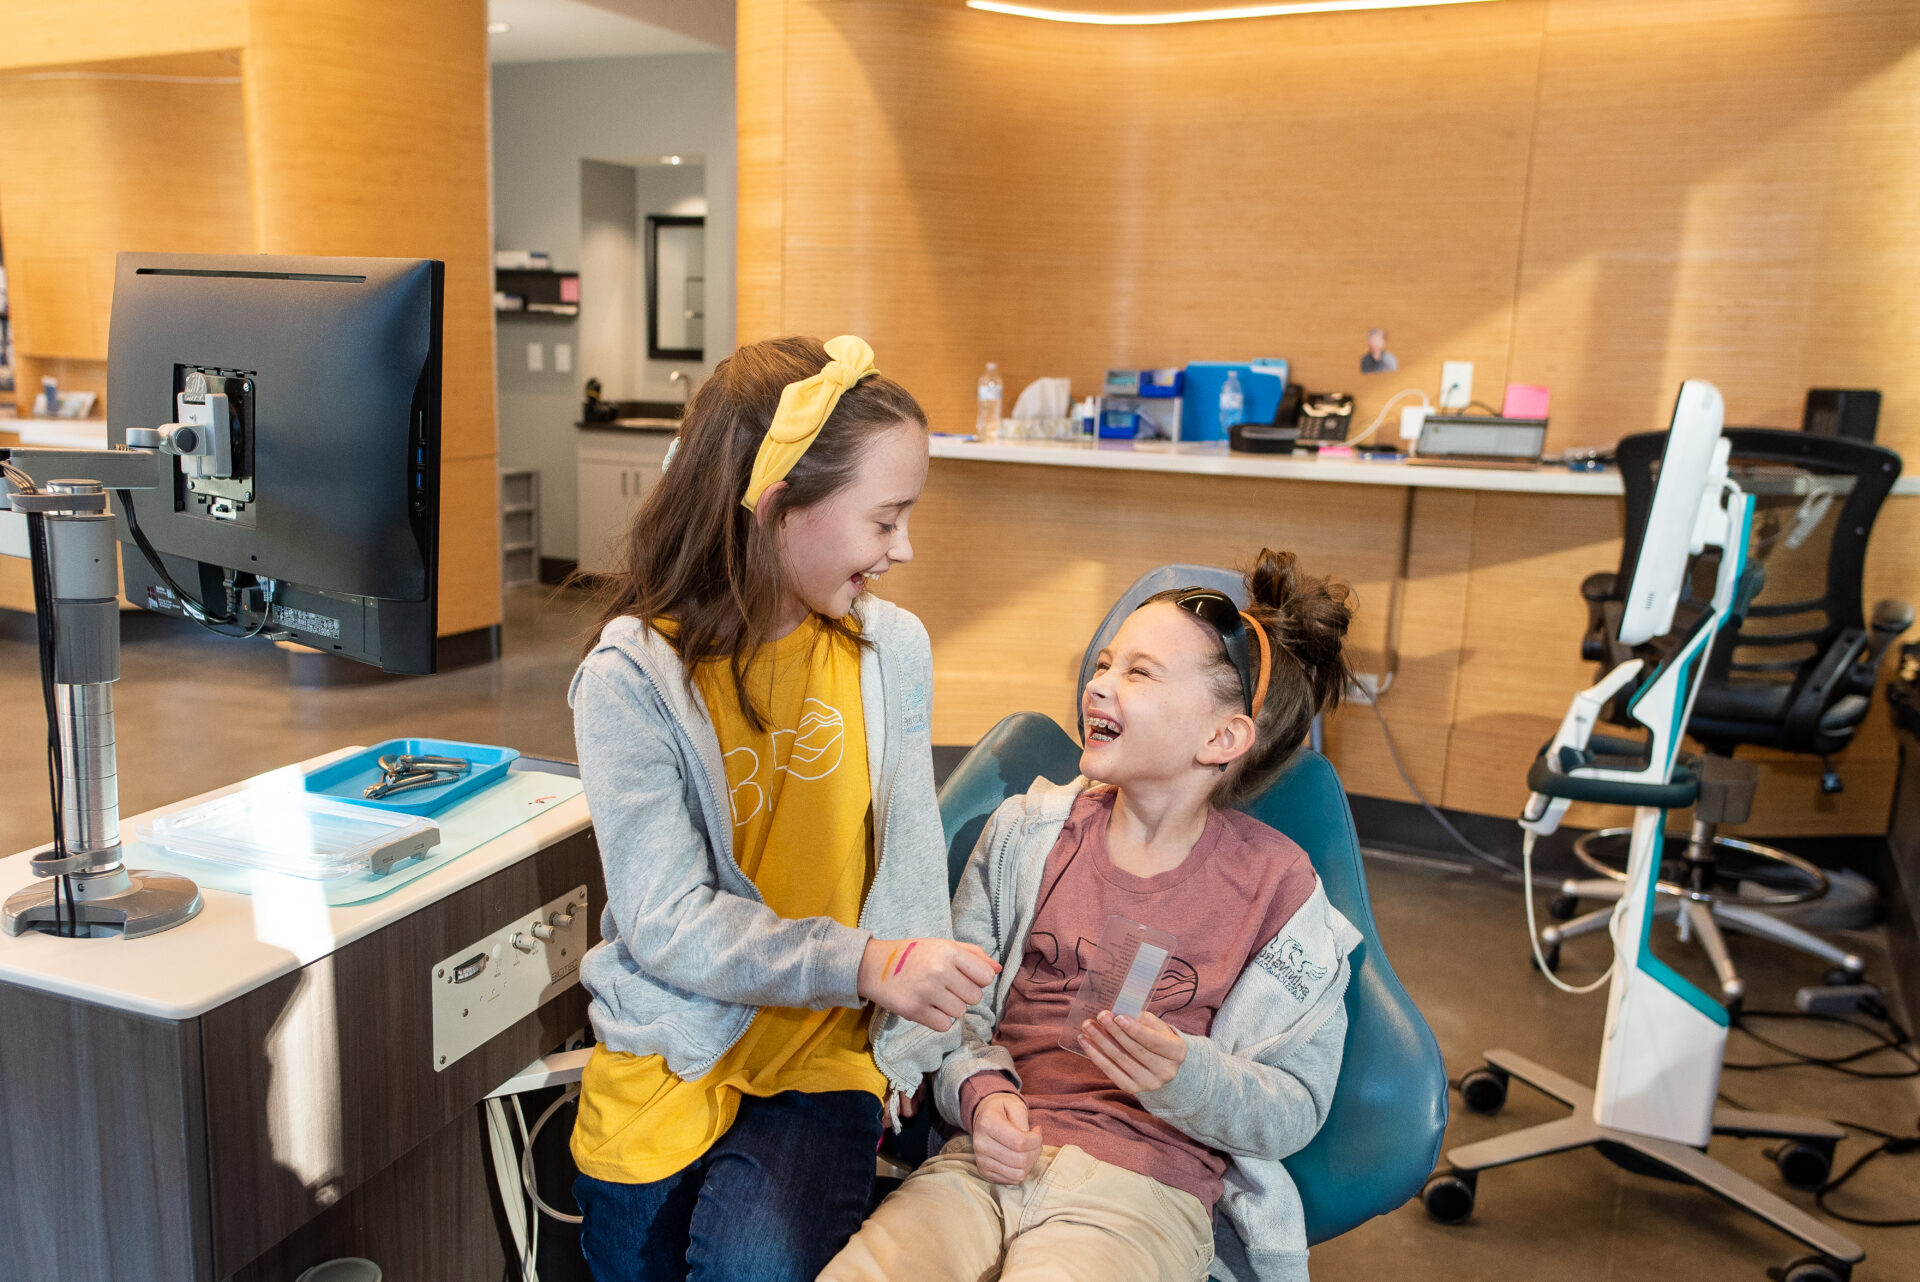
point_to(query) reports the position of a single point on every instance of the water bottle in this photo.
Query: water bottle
(1233, 405)
(986, 421)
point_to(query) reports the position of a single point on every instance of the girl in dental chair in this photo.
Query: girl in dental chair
(1110, 1149)
(754, 735)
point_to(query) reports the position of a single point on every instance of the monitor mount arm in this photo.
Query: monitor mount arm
(67, 529)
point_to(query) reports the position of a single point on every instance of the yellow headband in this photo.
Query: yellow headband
(804, 409)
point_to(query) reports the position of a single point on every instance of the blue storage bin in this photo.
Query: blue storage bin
(347, 779)
(1261, 383)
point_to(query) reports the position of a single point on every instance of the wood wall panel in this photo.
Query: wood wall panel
(469, 544)
(1418, 705)
(355, 128)
(1012, 638)
(1732, 195)
(40, 33)
(1606, 196)
(396, 165)
(149, 153)
(1063, 199)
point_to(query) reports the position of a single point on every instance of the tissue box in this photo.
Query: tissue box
(1261, 383)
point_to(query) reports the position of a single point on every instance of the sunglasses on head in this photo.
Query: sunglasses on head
(1217, 611)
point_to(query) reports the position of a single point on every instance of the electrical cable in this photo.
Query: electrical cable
(1898, 1043)
(571, 1094)
(1890, 1145)
(506, 1175)
(1381, 417)
(48, 638)
(1393, 751)
(1533, 931)
(1524, 872)
(1897, 1040)
(189, 605)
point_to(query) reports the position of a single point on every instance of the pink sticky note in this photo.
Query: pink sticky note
(570, 289)
(1524, 400)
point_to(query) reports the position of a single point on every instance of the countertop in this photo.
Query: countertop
(1213, 458)
(239, 942)
(632, 425)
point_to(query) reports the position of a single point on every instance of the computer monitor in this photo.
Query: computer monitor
(1692, 466)
(318, 480)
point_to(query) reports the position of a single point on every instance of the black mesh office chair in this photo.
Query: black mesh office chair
(1797, 673)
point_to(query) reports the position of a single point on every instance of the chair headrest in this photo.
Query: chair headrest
(1166, 578)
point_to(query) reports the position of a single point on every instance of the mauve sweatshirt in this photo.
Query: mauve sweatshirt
(1234, 891)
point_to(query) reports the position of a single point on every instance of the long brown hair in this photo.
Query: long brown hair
(693, 554)
(1305, 619)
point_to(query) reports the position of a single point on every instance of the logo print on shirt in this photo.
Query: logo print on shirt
(813, 751)
(1178, 985)
(1286, 960)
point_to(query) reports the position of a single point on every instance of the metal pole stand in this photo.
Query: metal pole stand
(101, 897)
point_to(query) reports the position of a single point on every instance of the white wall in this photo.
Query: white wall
(610, 272)
(547, 118)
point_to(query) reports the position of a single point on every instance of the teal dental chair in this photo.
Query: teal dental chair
(1382, 1137)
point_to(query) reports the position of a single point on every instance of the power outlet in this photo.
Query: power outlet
(536, 358)
(1456, 385)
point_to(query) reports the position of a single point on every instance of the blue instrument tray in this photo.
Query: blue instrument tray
(347, 779)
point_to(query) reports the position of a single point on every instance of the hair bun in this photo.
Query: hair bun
(1306, 616)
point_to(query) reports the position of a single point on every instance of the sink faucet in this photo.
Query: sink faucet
(686, 387)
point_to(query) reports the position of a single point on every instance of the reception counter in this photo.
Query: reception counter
(1467, 581)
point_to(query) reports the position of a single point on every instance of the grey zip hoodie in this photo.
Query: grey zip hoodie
(1257, 1088)
(689, 949)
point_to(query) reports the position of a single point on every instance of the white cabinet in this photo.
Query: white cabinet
(617, 469)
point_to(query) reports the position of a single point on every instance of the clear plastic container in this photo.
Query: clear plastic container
(297, 833)
(986, 421)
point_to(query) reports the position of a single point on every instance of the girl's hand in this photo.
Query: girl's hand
(907, 1105)
(929, 981)
(1136, 1054)
(1004, 1146)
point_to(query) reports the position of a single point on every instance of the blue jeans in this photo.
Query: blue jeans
(773, 1200)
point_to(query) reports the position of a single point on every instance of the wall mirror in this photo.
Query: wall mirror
(676, 287)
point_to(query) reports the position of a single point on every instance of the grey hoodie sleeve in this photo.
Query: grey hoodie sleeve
(669, 912)
(1244, 1107)
(973, 924)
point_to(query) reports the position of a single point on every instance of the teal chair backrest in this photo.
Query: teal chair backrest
(1382, 1136)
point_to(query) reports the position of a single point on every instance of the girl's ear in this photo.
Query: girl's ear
(763, 510)
(1233, 740)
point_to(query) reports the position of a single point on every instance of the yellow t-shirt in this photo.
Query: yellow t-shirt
(803, 833)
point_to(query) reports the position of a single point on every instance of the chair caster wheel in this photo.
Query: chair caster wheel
(1840, 977)
(1552, 955)
(1484, 1090)
(1811, 1268)
(1564, 908)
(1448, 1196)
(1804, 1166)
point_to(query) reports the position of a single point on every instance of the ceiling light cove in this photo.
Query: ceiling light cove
(1200, 15)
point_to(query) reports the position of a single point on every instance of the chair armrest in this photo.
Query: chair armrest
(1596, 590)
(1890, 621)
(1829, 680)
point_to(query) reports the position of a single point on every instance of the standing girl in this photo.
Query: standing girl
(755, 739)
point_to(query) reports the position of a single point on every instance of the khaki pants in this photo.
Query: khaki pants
(1074, 1217)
